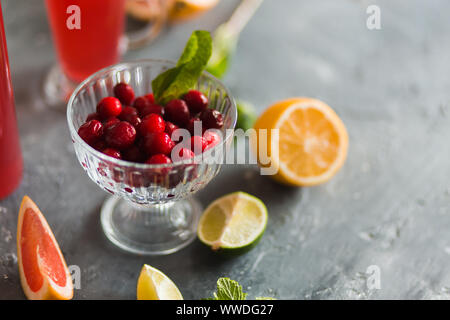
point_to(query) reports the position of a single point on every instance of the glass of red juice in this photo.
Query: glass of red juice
(88, 36)
(10, 154)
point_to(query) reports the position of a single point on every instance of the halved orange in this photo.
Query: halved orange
(43, 271)
(312, 144)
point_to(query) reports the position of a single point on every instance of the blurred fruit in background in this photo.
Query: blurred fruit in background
(246, 115)
(182, 10)
(178, 10)
(143, 10)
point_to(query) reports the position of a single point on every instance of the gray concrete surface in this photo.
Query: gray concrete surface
(388, 207)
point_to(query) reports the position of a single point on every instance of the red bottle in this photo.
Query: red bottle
(10, 155)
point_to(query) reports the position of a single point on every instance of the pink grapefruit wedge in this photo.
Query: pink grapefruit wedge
(43, 272)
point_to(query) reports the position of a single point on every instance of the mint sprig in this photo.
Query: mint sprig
(228, 289)
(175, 82)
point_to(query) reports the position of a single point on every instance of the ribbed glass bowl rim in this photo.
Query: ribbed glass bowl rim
(126, 66)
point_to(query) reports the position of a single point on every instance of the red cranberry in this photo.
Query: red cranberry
(121, 135)
(150, 97)
(183, 154)
(212, 138)
(129, 114)
(134, 120)
(212, 119)
(109, 123)
(126, 112)
(198, 144)
(159, 159)
(93, 116)
(109, 107)
(196, 101)
(191, 126)
(91, 131)
(158, 142)
(154, 108)
(170, 128)
(124, 92)
(151, 124)
(158, 176)
(133, 154)
(140, 103)
(112, 153)
(100, 144)
(177, 111)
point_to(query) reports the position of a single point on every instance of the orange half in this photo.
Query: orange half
(43, 271)
(312, 141)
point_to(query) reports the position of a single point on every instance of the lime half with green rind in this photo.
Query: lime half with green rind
(233, 223)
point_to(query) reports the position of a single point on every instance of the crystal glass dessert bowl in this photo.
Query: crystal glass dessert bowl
(150, 209)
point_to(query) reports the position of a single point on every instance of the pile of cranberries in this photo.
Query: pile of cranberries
(140, 130)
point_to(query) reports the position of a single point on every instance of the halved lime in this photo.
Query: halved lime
(233, 222)
(155, 285)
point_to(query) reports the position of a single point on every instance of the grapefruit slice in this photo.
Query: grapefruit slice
(43, 272)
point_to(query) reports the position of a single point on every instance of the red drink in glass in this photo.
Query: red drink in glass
(10, 154)
(97, 44)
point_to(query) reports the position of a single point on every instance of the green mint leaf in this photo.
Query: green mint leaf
(163, 81)
(228, 289)
(175, 82)
(193, 45)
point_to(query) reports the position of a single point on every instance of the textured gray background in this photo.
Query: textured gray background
(388, 207)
